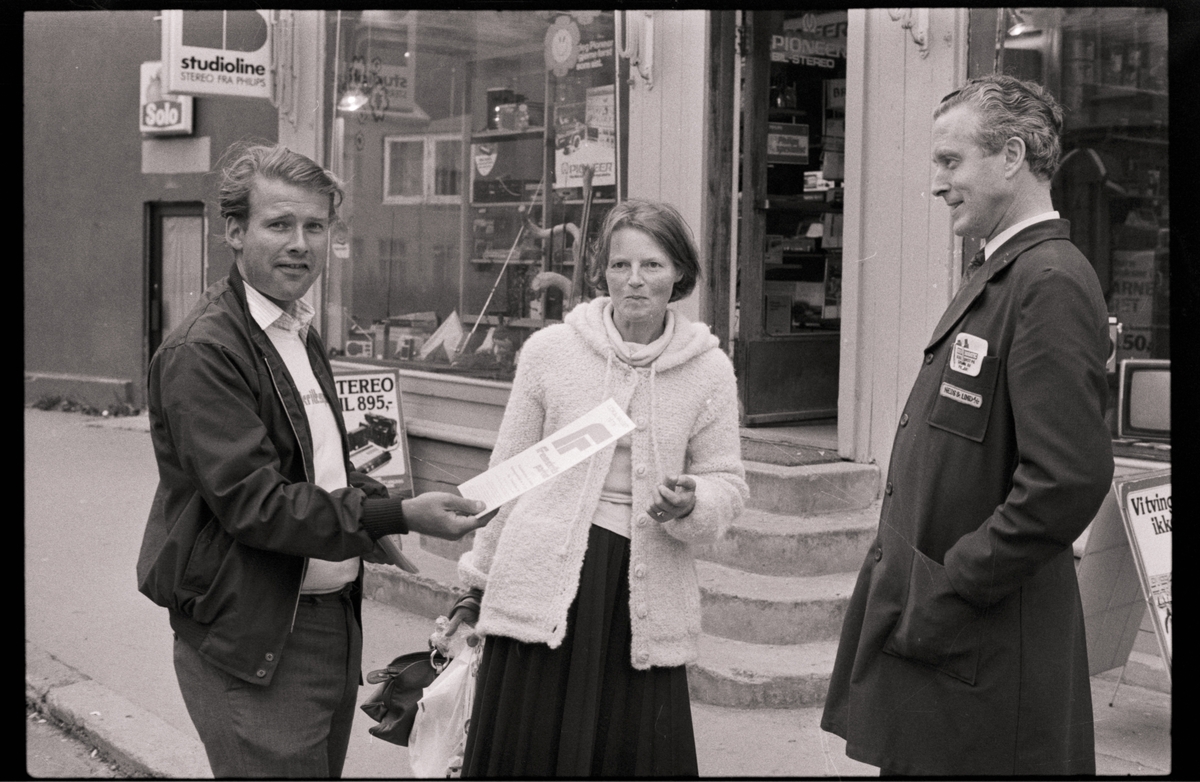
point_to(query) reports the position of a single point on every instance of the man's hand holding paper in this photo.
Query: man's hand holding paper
(537, 464)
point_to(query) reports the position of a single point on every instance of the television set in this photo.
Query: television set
(1144, 400)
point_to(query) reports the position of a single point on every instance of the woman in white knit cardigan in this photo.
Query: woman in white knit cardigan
(590, 606)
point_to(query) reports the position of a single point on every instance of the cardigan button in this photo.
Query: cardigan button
(641, 469)
(639, 571)
(641, 521)
(641, 422)
(643, 657)
(641, 610)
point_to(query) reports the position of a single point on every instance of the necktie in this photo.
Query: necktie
(973, 266)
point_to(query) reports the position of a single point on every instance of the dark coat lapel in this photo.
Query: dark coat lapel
(1006, 254)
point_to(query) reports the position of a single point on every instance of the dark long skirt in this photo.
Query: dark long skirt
(581, 709)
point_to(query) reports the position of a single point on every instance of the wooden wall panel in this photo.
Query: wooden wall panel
(899, 250)
(667, 128)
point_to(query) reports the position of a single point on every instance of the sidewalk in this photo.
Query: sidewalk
(103, 664)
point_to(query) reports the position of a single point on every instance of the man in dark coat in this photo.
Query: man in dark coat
(963, 648)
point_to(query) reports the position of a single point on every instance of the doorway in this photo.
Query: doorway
(789, 256)
(175, 266)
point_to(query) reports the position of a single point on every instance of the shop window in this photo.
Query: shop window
(1108, 67)
(465, 138)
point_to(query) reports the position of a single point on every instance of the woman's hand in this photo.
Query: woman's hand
(674, 498)
(465, 611)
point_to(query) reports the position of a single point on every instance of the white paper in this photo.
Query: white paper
(539, 463)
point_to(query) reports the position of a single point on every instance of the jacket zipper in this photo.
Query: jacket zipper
(307, 477)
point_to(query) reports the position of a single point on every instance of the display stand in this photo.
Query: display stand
(1126, 566)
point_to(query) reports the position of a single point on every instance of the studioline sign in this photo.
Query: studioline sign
(161, 113)
(217, 53)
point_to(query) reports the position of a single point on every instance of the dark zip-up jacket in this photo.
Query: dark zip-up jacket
(236, 514)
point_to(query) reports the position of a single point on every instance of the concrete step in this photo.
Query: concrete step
(772, 609)
(761, 676)
(762, 447)
(811, 489)
(777, 545)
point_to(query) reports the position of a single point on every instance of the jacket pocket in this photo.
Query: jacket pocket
(936, 627)
(964, 404)
(208, 553)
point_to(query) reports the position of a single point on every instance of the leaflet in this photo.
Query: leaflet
(537, 464)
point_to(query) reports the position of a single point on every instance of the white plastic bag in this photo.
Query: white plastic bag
(439, 733)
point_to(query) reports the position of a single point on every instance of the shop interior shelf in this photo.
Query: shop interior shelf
(519, 323)
(809, 202)
(515, 262)
(485, 135)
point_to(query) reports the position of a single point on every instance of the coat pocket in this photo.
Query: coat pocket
(936, 627)
(208, 553)
(964, 404)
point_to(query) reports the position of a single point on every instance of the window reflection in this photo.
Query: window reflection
(462, 137)
(1108, 66)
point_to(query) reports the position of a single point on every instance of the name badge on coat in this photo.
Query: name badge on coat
(967, 354)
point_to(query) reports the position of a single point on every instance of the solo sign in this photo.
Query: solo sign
(162, 114)
(217, 53)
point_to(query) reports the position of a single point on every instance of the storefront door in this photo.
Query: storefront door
(175, 266)
(790, 215)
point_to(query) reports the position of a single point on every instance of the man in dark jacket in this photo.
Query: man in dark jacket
(963, 649)
(259, 525)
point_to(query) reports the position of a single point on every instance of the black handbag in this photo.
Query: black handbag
(394, 703)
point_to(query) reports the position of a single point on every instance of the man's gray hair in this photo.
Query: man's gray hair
(246, 160)
(1009, 107)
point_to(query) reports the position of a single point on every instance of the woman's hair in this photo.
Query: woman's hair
(662, 223)
(246, 160)
(1009, 107)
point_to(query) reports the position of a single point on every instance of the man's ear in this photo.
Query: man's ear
(234, 232)
(1014, 156)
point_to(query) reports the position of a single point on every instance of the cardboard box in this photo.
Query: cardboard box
(774, 249)
(778, 314)
(814, 181)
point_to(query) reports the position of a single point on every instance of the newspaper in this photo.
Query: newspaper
(537, 464)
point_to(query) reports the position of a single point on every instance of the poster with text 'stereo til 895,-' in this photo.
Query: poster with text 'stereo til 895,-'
(370, 404)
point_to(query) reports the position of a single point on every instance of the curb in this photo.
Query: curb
(138, 742)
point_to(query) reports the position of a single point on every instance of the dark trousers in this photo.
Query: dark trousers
(299, 724)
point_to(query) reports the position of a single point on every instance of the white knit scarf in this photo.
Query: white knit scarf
(632, 353)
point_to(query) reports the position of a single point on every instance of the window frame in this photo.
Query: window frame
(429, 146)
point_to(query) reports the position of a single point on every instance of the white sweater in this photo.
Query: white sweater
(529, 557)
